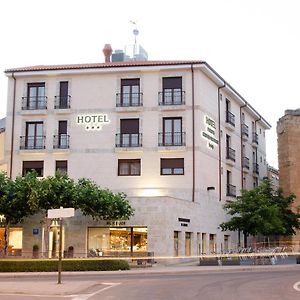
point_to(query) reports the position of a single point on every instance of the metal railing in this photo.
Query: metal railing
(32, 142)
(172, 97)
(129, 140)
(230, 118)
(61, 141)
(171, 139)
(255, 168)
(246, 163)
(255, 138)
(231, 190)
(62, 102)
(129, 99)
(230, 153)
(34, 103)
(245, 130)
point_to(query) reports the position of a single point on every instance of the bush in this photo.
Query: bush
(43, 265)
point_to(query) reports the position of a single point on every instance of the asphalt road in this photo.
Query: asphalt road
(213, 285)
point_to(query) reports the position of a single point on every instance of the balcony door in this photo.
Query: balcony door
(63, 94)
(129, 136)
(36, 96)
(130, 92)
(172, 131)
(172, 90)
(62, 134)
(34, 138)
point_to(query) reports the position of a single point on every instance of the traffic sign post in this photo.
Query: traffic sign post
(60, 213)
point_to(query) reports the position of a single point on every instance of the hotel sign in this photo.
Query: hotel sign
(92, 122)
(210, 134)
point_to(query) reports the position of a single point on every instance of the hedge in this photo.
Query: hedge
(43, 265)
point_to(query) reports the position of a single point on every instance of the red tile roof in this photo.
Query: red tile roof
(104, 65)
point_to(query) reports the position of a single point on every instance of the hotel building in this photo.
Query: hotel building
(173, 135)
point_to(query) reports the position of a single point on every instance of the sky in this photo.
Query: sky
(253, 44)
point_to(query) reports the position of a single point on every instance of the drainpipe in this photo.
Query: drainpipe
(193, 131)
(220, 150)
(256, 161)
(241, 125)
(12, 126)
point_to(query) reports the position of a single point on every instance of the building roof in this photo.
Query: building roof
(104, 65)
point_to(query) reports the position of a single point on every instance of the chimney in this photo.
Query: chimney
(107, 50)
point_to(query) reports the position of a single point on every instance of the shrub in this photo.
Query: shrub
(43, 265)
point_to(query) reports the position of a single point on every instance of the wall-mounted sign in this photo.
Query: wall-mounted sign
(116, 223)
(210, 133)
(93, 122)
(35, 231)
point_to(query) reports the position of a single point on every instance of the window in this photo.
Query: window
(129, 167)
(231, 189)
(61, 141)
(33, 138)
(226, 243)
(171, 166)
(176, 243)
(172, 91)
(36, 98)
(188, 240)
(172, 134)
(61, 166)
(212, 243)
(130, 93)
(230, 117)
(37, 166)
(62, 101)
(230, 153)
(129, 136)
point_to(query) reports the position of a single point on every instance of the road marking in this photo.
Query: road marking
(296, 286)
(87, 296)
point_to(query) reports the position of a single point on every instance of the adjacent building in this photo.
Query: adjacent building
(288, 134)
(173, 135)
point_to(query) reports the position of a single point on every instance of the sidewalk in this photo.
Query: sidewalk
(70, 286)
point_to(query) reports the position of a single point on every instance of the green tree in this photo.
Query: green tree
(261, 211)
(18, 200)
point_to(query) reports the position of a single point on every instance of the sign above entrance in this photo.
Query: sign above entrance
(210, 133)
(92, 122)
(61, 213)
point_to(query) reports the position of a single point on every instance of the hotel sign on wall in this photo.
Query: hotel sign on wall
(210, 133)
(93, 122)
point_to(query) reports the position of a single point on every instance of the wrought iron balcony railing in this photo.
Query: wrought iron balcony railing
(230, 153)
(34, 103)
(255, 138)
(255, 168)
(231, 190)
(167, 139)
(230, 118)
(245, 130)
(246, 163)
(62, 102)
(61, 141)
(129, 99)
(129, 140)
(32, 142)
(171, 97)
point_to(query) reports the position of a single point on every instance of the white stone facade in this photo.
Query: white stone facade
(160, 201)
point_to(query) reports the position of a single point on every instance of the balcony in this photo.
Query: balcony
(132, 100)
(171, 139)
(254, 139)
(230, 120)
(231, 190)
(172, 97)
(62, 102)
(230, 153)
(245, 132)
(128, 140)
(246, 164)
(32, 142)
(61, 141)
(255, 169)
(34, 103)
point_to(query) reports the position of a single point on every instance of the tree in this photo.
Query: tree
(262, 211)
(18, 200)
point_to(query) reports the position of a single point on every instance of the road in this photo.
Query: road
(214, 285)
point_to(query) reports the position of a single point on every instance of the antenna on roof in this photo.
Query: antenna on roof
(135, 33)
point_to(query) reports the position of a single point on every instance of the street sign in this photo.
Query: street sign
(61, 213)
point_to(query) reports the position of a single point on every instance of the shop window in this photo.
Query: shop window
(176, 243)
(203, 242)
(107, 240)
(171, 166)
(129, 167)
(188, 244)
(61, 166)
(212, 243)
(226, 243)
(15, 236)
(37, 166)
